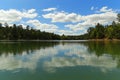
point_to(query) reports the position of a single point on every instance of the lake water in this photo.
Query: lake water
(60, 60)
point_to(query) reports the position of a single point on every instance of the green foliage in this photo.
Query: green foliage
(91, 32)
(98, 32)
(105, 32)
(19, 33)
(109, 32)
(118, 17)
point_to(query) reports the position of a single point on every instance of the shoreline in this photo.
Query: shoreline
(59, 40)
(104, 39)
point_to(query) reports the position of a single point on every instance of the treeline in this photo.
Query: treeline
(74, 37)
(99, 32)
(105, 31)
(19, 33)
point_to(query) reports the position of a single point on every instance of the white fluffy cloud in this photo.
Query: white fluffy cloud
(76, 27)
(63, 17)
(106, 16)
(66, 32)
(14, 15)
(92, 20)
(43, 26)
(49, 9)
(105, 9)
(82, 22)
(78, 23)
(31, 11)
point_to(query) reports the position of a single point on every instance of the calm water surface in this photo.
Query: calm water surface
(60, 60)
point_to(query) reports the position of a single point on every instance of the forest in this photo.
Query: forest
(105, 31)
(17, 32)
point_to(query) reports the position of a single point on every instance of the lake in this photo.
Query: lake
(60, 60)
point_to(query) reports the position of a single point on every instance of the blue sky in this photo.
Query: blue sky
(59, 16)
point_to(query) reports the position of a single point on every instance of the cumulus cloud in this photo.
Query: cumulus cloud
(43, 26)
(105, 9)
(82, 22)
(66, 32)
(63, 17)
(92, 20)
(73, 23)
(76, 27)
(31, 11)
(13, 15)
(105, 17)
(49, 9)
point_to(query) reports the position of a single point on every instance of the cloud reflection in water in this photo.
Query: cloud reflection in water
(73, 55)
